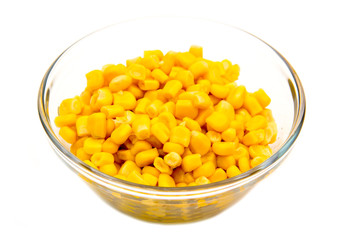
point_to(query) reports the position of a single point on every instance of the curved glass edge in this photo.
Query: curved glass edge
(123, 185)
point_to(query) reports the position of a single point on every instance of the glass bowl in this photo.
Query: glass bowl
(261, 67)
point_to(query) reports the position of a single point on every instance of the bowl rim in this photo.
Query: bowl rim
(121, 185)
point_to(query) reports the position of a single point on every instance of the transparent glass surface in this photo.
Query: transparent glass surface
(261, 66)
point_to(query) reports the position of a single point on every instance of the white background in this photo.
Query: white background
(42, 199)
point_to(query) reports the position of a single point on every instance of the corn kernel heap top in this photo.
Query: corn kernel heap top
(170, 120)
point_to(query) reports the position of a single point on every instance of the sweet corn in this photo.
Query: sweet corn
(88, 162)
(229, 135)
(102, 158)
(92, 145)
(141, 126)
(70, 106)
(65, 120)
(95, 80)
(178, 175)
(252, 105)
(148, 84)
(254, 137)
(185, 59)
(236, 97)
(140, 146)
(153, 109)
(199, 68)
(159, 75)
(202, 180)
(160, 131)
(150, 170)
(256, 122)
(218, 175)
(180, 135)
(137, 71)
(191, 162)
(120, 83)
(188, 178)
(146, 157)
(233, 171)
(109, 169)
(181, 184)
(244, 164)
(173, 147)
(150, 179)
(128, 167)
(203, 114)
(213, 136)
(168, 107)
(68, 134)
(199, 143)
(201, 100)
(166, 180)
(171, 88)
(125, 155)
(150, 62)
(260, 150)
(142, 105)
(224, 148)
(125, 99)
(218, 121)
(168, 119)
(136, 177)
(81, 154)
(185, 77)
(110, 71)
(257, 160)
(97, 125)
(161, 166)
(262, 98)
(121, 134)
(206, 170)
(109, 146)
(185, 108)
(225, 162)
(197, 51)
(220, 91)
(113, 111)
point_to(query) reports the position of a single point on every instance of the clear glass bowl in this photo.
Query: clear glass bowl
(261, 67)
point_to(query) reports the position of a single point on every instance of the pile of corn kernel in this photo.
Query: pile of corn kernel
(170, 120)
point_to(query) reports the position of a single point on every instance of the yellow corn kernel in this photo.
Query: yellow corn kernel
(137, 71)
(121, 134)
(185, 77)
(262, 98)
(125, 99)
(159, 75)
(142, 105)
(225, 162)
(233, 171)
(185, 59)
(136, 91)
(213, 136)
(188, 178)
(241, 151)
(168, 107)
(150, 179)
(254, 137)
(180, 135)
(85, 97)
(160, 131)
(206, 170)
(87, 110)
(81, 126)
(236, 96)
(270, 133)
(153, 108)
(95, 80)
(252, 105)
(148, 84)
(120, 83)
(203, 114)
(232, 73)
(256, 122)
(161, 166)
(187, 152)
(257, 160)
(185, 108)
(132, 61)
(166, 180)
(244, 164)
(88, 162)
(140, 146)
(113, 111)
(157, 53)
(224, 148)
(65, 120)
(219, 91)
(141, 126)
(154, 142)
(68, 134)
(151, 170)
(70, 105)
(267, 113)
(128, 167)
(197, 51)
(202, 180)
(136, 177)
(102, 158)
(209, 157)
(109, 146)
(173, 159)
(181, 184)
(199, 69)
(192, 124)
(110, 126)
(237, 125)
(174, 71)
(104, 97)
(191, 162)
(93, 145)
(168, 62)
(219, 175)
(76, 145)
(218, 121)
(199, 143)
(109, 169)
(173, 147)
(97, 125)
(171, 88)
(229, 135)
(125, 155)
(150, 62)
(81, 154)
(260, 150)
(178, 175)
(168, 119)
(201, 100)
(110, 71)
(146, 157)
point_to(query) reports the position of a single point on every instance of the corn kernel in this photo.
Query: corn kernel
(109, 169)
(192, 124)
(162, 167)
(181, 184)
(199, 68)
(168, 62)
(185, 108)
(178, 175)
(206, 170)
(188, 178)
(81, 154)
(220, 91)
(65, 120)
(237, 96)
(141, 126)
(168, 107)
(262, 98)
(125, 155)
(218, 121)
(125, 99)
(159, 75)
(160, 131)
(257, 160)
(136, 177)
(173, 147)
(180, 135)
(128, 167)
(97, 125)
(213, 136)
(252, 105)
(150, 179)
(109, 146)
(148, 84)
(140, 146)
(88, 162)
(93, 145)
(191, 162)
(110, 71)
(70, 105)
(121, 134)
(202, 180)
(201, 100)
(185, 77)
(153, 109)
(146, 157)
(142, 105)
(199, 143)
(185, 59)
(244, 164)
(120, 83)
(102, 158)
(173, 159)
(95, 80)
(219, 175)
(137, 71)
(229, 135)
(166, 180)
(151, 170)
(225, 162)
(171, 88)
(254, 137)
(233, 171)
(150, 62)
(68, 134)
(260, 150)
(224, 148)
(241, 151)
(113, 111)
(197, 51)
(256, 122)
(203, 114)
